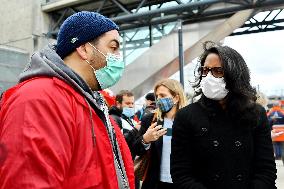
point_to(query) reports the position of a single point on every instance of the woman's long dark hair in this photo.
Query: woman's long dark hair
(242, 96)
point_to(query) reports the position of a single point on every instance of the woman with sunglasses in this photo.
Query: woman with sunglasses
(156, 133)
(223, 141)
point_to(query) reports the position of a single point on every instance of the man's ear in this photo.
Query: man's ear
(82, 52)
(118, 104)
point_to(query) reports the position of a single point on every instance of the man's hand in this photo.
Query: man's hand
(275, 134)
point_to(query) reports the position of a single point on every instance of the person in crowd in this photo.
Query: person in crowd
(148, 107)
(223, 140)
(262, 99)
(123, 112)
(155, 134)
(55, 124)
(276, 122)
(109, 97)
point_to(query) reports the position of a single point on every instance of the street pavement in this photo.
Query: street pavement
(280, 174)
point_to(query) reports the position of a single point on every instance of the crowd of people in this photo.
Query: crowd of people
(59, 128)
(276, 122)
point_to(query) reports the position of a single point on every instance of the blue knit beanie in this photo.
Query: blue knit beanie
(81, 28)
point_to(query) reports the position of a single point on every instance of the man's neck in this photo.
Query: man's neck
(83, 70)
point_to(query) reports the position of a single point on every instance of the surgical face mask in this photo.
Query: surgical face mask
(128, 112)
(112, 72)
(165, 104)
(213, 88)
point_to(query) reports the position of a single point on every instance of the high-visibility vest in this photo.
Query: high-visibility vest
(276, 129)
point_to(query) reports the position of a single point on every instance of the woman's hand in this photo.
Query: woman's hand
(153, 133)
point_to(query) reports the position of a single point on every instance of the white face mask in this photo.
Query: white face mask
(213, 88)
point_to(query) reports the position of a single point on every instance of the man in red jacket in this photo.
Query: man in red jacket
(55, 124)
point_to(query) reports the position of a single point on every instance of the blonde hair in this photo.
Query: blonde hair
(261, 99)
(175, 88)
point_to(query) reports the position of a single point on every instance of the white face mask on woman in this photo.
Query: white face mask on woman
(213, 88)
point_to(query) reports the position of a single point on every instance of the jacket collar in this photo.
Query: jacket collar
(212, 106)
(114, 110)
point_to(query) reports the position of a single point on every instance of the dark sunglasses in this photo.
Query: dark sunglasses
(216, 71)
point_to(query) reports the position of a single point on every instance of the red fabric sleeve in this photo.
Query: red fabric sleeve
(35, 129)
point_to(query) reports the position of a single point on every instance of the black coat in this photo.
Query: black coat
(210, 150)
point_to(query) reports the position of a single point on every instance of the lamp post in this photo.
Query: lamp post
(181, 57)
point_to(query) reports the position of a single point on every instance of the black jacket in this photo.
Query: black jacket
(131, 136)
(153, 173)
(210, 150)
(116, 113)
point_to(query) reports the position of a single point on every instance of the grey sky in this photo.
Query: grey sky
(264, 54)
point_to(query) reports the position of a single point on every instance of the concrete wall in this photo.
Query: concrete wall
(22, 31)
(23, 24)
(12, 63)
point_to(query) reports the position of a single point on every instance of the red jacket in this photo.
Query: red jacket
(46, 127)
